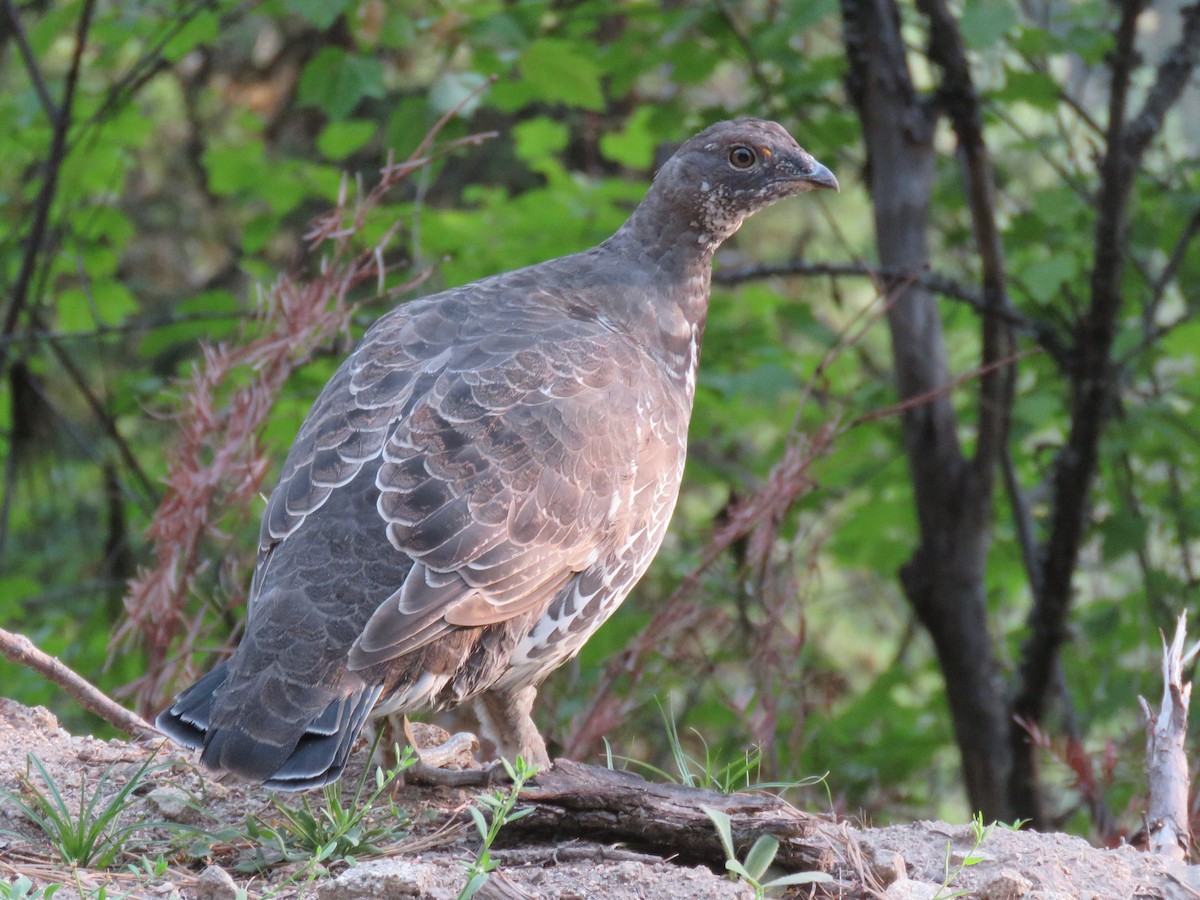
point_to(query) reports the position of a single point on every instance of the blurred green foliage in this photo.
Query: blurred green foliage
(205, 135)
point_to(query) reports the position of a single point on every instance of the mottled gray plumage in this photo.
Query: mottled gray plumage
(481, 483)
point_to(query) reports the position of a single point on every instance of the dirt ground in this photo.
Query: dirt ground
(428, 856)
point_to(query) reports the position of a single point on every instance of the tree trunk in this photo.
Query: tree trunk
(944, 578)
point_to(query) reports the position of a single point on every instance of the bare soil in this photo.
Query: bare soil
(428, 856)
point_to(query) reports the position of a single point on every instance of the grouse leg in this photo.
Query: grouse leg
(506, 717)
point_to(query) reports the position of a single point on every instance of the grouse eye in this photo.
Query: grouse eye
(742, 157)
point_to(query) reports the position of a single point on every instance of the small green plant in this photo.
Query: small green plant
(754, 867)
(500, 805)
(712, 773)
(148, 867)
(980, 833)
(333, 830)
(23, 889)
(90, 835)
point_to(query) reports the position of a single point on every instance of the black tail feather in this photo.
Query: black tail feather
(320, 757)
(186, 720)
(317, 756)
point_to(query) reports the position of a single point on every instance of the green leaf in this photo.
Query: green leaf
(724, 828)
(335, 81)
(408, 125)
(103, 303)
(1044, 279)
(1033, 41)
(471, 888)
(738, 869)
(1091, 44)
(235, 167)
(540, 138)
(201, 29)
(761, 855)
(634, 146)
(799, 878)
(559, 71)
(479, 820)
(339, 139)
(1035, 88)
(985, 22)
(1123, 533)
(321, 13)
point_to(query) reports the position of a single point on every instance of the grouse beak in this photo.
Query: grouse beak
(819, 177)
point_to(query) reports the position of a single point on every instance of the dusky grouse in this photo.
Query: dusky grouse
(482, 482)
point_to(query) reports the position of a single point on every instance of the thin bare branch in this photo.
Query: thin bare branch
(151, 63)
(19, 649)
(1094, 380)
(19, 295)
(961, 101)
(129, 326)
(1152, 331)
(932, 281)
(31, 64)
(107, 422)
(1022, 516)
(1172, 77)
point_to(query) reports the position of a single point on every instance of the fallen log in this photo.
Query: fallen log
(575, 800)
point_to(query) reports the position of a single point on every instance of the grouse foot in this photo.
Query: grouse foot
(450, 763)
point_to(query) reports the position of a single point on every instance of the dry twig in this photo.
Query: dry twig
(1166, 758)
(19, 649)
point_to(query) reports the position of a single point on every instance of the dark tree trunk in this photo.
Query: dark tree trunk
(944, 579)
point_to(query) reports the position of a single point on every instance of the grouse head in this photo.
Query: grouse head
(729, 171)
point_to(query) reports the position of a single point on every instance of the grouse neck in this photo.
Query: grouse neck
(670, 269)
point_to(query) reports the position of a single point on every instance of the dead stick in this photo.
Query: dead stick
(20, 650)
(1166, 758)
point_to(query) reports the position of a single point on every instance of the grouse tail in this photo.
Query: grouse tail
(316, 755)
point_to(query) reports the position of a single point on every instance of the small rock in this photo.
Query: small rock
(629, 872)
(970, 857)
(912, 890)
(214, 883)
(888, 867)
(174, 805)
(1007, 884)
(390, 878)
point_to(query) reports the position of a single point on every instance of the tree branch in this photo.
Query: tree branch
(885, 277)
(932, 281)
(20, 650)
(1094, 381)
(961, 101)
(31, 66)
(19, 296)
(1093, 390)
(943, 579)
(150, 63)
(1172, 77)
(1150, 331)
